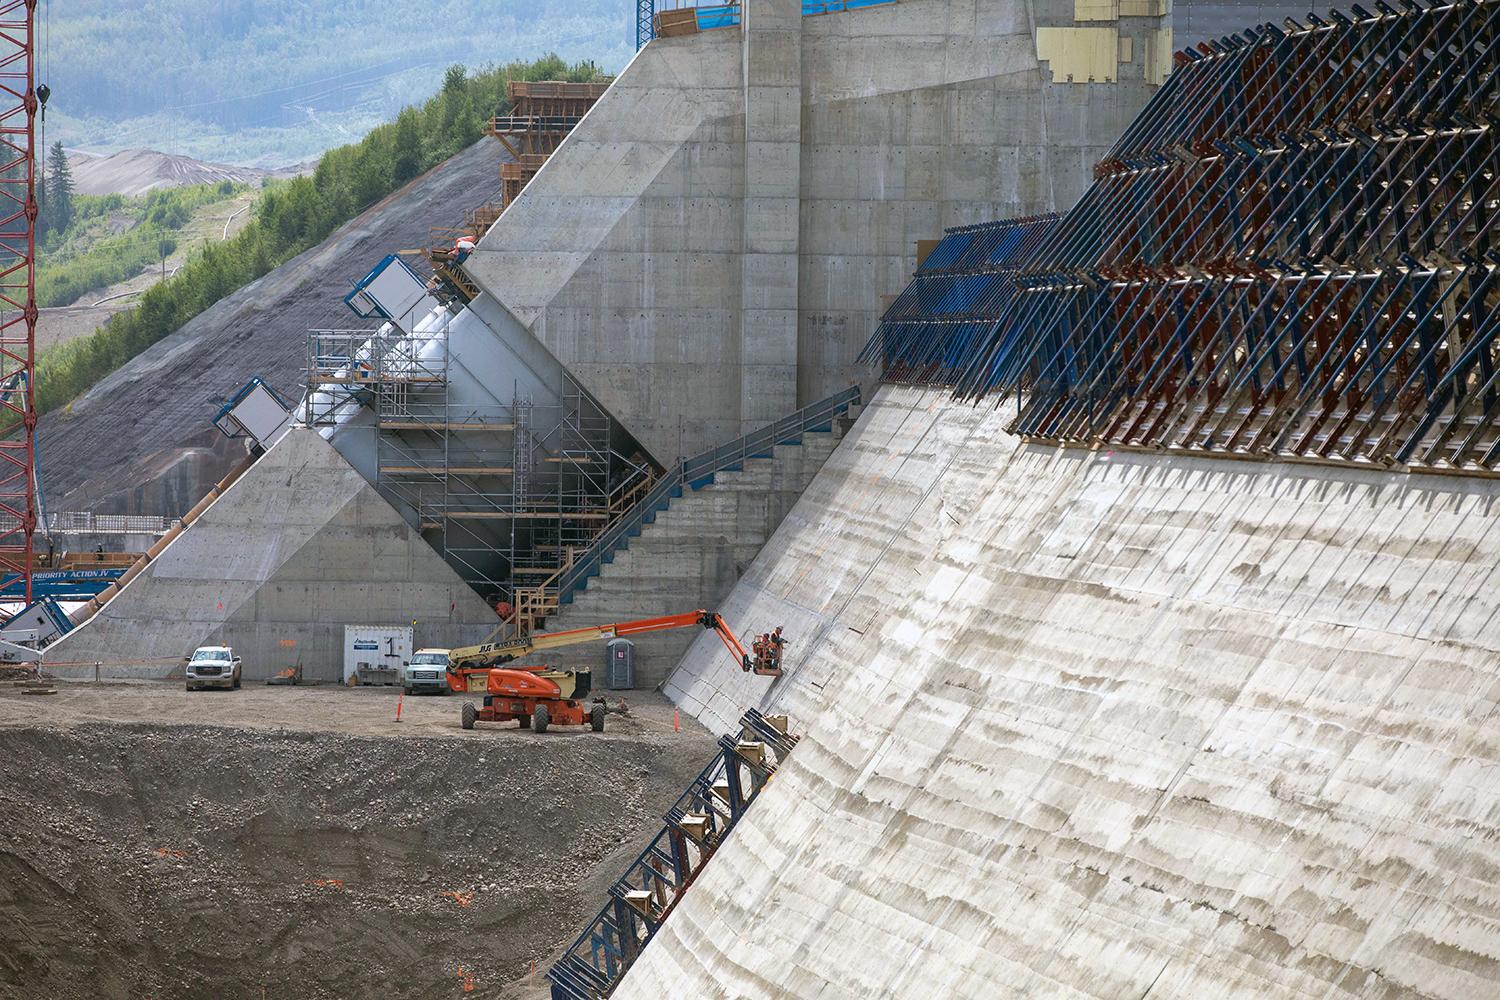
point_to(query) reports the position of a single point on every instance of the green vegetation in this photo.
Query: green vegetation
(56, 194)
(293, 216)
(102, 239)
(275, 83)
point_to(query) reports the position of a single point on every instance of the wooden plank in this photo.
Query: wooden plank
(453, 470)
(417, 425)
(528, 516)
(677, 22)
(363, 379)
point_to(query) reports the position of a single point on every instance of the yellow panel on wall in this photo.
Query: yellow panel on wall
(1158, 55)
(1142, 8)
(1096, 10)
(1081, 54)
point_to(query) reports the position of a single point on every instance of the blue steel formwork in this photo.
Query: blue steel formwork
(1290, 252)
(695, 827)
(959, 293)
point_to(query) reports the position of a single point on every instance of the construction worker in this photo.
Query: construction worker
(504, 609)
(774, 644)
(462, 247)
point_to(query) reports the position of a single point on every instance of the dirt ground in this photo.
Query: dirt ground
(298, 842)
(210, 224)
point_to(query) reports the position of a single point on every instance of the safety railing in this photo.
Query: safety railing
(89, 523)
(694, 829)
(692, 473)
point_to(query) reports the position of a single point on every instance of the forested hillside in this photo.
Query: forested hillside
(272, 82)
(292, 216)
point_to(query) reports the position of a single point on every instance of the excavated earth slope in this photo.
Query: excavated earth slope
(296, 843)
(1108, 724)
(142, 441)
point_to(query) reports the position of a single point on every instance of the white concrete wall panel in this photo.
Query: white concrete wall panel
(1107, 724)
(295, 549)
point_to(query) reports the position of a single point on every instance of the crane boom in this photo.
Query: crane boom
(765, 660)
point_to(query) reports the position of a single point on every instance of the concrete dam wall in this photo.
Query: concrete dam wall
(708, 249)
(1108, 724)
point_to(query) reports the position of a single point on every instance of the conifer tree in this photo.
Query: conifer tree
(59, 190)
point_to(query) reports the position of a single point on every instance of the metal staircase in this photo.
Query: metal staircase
(696, 472)
(695, 827)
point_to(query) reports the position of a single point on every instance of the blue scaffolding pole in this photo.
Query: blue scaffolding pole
(645, 20)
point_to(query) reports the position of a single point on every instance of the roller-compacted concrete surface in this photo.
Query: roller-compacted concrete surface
(1108, 724)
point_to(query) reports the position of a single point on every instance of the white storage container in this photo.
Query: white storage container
(375, 653)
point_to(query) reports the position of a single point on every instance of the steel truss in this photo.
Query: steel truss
(1290, 252)
(18, 308)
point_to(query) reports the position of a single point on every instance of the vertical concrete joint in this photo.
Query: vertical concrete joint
(772, 39)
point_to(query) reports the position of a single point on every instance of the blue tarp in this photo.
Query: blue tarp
(727, 15)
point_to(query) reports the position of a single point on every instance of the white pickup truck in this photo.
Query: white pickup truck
(212, 666)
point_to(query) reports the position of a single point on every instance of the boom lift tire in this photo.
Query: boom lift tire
(524, 722)
(467, 714)
(596, 717)
(539, 719)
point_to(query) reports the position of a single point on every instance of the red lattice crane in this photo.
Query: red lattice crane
(18, 310)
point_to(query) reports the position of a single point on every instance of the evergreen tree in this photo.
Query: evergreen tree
(59, 193)
(407, 162)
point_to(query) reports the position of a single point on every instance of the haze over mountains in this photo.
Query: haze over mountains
(271, 83)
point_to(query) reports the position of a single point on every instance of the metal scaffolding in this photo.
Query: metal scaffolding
(1289, 253)
(542, 114)
(507, 492)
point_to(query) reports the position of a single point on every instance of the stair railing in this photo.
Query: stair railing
(694, 470)
(693, 829)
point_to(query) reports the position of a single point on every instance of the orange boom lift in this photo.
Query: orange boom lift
(539, 696)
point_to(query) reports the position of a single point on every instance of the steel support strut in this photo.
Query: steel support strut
(1291, 251)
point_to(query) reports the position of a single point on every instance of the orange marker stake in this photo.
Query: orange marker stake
(676, 721)
(399, 696)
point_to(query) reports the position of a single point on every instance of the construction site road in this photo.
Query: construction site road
(298, 842)
(361, 711)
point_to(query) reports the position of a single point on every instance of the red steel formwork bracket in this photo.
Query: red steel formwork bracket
(18, 310)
